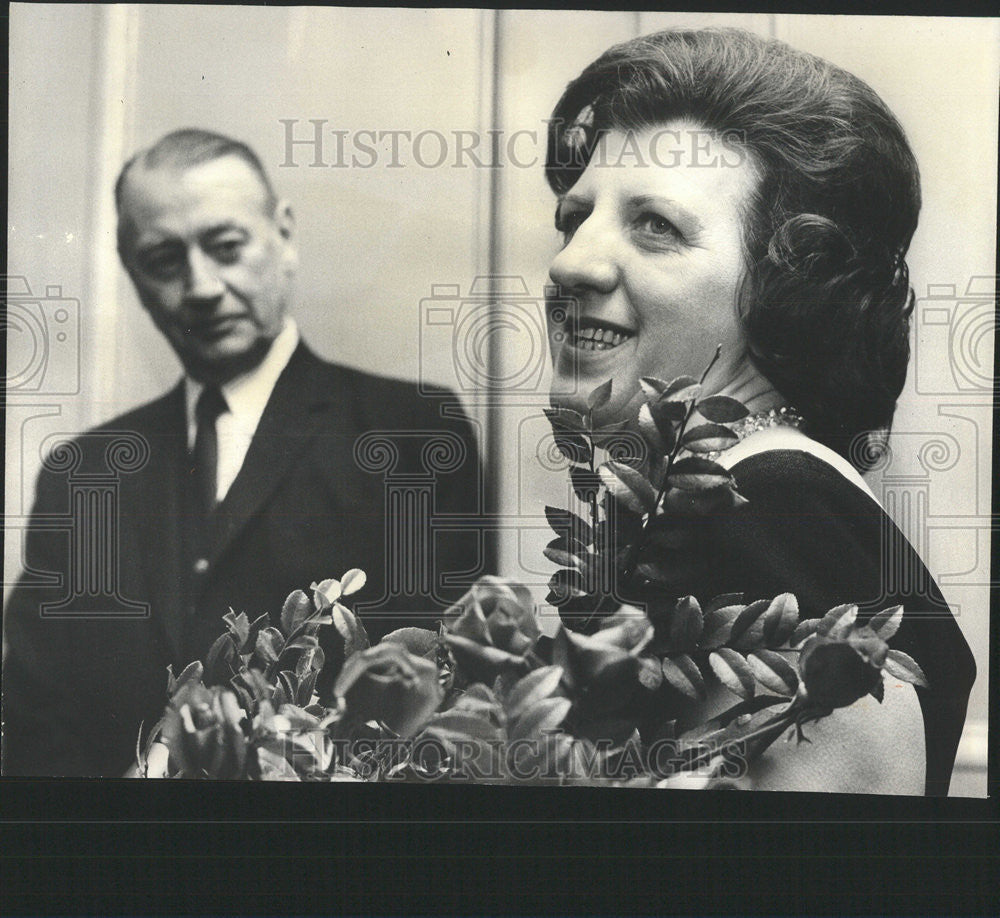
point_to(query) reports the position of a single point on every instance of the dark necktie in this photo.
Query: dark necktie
(205, 457)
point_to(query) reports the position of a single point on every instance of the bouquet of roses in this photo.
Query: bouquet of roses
(616, 695)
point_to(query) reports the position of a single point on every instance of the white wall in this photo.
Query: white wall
(374, 241)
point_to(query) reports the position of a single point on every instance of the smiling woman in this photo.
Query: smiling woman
(717, 188)
(654, 258)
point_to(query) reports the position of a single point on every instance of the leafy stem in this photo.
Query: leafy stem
(634, 550)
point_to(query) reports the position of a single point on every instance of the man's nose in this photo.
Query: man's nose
(589, 260)
(203, 281)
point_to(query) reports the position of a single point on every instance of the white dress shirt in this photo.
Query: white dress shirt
(246, 397)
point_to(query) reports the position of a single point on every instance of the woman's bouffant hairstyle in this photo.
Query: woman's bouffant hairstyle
(826, 301)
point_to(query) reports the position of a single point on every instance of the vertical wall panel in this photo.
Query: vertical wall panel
(540, 52)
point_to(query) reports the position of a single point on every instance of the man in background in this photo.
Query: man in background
(252, 488)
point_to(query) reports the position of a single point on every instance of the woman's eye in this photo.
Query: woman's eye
(656, 225)
(569, 223)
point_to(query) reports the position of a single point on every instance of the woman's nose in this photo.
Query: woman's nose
(203, 281)
(588, 260)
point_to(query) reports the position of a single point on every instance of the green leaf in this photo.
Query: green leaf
(600, 396)
(295, 611)
(566, 552)
(573, 446)
(656, 424)
(723, 599)
(773, 671)
(256, 626)
(350, 629)
(586, 484)
(565, 584)
(721, 409)
(878, 691)
(904, 667)
(418, 641)
(308, 661)
(628, 628)
(531, 689)
(733, 671)
(565, 523)
(695, 473)
(803, 631)
(352, 581)
(238, 625)
(653, 388)
(717, 500)
(325, 593)
(544, 716)
(708, 438)
(780, 618)
(664, 414)
(218, 661)
(628, 486)
(566, 419)
(191, 673)
(270, 643)
(651, 434)
(887, 622)
(747, 618)
(719, 624)
(683, 674)
(681, 385)
(464, 723)
(685, 623)
(838, 622)
(650, 673)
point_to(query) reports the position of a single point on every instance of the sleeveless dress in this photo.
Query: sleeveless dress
(813, 528)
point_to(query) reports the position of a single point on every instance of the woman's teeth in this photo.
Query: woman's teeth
(597, 339)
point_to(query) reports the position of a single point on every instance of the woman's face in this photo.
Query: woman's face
(652, 254)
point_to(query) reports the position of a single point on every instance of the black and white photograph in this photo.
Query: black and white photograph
(558, 398)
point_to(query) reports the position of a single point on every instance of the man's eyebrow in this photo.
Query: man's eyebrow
(226, 227)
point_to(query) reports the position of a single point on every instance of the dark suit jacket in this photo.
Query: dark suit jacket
(87, 653)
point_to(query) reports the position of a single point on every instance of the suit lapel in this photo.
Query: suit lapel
(160, 510)
(291, 419)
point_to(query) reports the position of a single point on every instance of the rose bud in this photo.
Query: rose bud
(203, 732)
(834, 674)
(481, 661)
(390, 685)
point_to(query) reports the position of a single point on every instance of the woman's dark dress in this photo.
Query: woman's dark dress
(809, 531)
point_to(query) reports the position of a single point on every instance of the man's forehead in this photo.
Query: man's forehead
(224, 179)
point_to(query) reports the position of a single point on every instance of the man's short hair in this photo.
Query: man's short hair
(190, 147)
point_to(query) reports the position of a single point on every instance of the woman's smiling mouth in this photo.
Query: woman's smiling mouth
(592, 335)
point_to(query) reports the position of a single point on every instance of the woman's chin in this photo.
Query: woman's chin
(577, 373)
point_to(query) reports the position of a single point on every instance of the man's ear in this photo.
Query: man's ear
(284, 220)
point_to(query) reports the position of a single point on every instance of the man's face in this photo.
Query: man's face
(211, 265)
